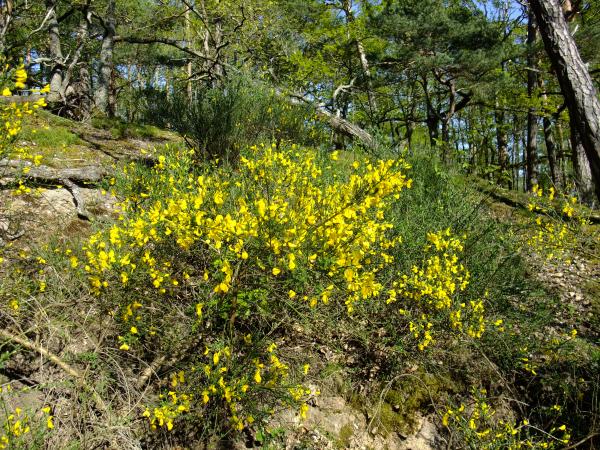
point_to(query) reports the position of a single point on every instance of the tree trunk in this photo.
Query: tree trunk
(433, 123)
(532, 119)
(524, 161)
(445, 138)
(6, 14)
(103, 90)
(581, 167)
(56, 93)
(342, 126)
(362, 56)
(561, 154)
(189, 67)
(551, 152)
(409, 135)
(502, 142)
(574, 79)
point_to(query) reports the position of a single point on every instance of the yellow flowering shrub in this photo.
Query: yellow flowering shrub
(12, 112)
(222, 385)
(434, 287)
(477, 427)
(211, 256)
(556, 227)
(217, 251)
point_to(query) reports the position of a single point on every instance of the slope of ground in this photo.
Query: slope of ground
(377, 390)
(68, 147)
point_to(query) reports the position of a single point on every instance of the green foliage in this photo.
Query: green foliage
(477, 428)
(120, 129)
(220, 121)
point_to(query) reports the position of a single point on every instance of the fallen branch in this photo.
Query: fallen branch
(149, 371)
(511, 199)
(77, 198)
(67, 368)
(338, 124)
(49, 175)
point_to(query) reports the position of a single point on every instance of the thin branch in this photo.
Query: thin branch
(67, 368)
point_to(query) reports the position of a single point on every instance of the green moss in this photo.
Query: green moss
(53, 137)
(413, 394)
(120, 129)
(346, 433)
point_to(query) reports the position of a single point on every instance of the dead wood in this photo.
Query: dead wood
(56, 360)
(50, 175)
(77, 198)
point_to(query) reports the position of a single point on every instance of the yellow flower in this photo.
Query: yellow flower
(303, 410)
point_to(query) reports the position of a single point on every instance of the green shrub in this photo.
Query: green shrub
(220, 121)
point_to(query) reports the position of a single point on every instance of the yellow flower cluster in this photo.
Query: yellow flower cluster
(216, 384)
(11, 117)
(433, 288)
(16, 426)
(479, 429)
(282, 213)
(555, 229)
(11, 114)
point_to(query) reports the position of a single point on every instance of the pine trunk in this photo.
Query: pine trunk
(574, 79)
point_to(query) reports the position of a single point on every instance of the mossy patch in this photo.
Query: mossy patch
(411, 395)
(344, 436)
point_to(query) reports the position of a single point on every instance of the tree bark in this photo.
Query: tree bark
(502, 143)
(574, 79)
(337, 123)
(56, 93)
(551, 152)
(189, 66)
(581, 167)
(532, 119)
(346, 128)
(105, 75)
